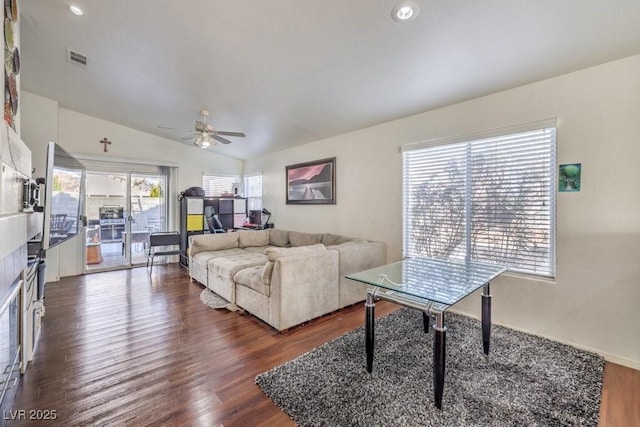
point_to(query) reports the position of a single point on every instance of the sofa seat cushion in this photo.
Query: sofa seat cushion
(204, 257)
(257, 249)
(227, 266)
(252, 278)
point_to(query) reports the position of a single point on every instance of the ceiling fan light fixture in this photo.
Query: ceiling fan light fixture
(204, 140)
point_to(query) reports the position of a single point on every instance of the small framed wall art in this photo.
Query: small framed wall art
(312, 182)
(569, 177)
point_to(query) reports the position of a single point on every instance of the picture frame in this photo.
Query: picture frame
(569, 177)
(311, 183)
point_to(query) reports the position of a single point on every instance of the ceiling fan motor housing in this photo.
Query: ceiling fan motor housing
(203, 127)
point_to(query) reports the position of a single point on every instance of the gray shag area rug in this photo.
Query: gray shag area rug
(213, 300)
(525, 380)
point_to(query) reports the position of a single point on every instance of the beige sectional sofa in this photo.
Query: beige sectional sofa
(283, 277)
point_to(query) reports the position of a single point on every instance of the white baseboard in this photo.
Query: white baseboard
(609, 357)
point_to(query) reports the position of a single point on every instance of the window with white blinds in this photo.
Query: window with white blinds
(215, 185)
(253, 191)
(489, 199)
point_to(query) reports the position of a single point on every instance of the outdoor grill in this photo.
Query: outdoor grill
(111, 222)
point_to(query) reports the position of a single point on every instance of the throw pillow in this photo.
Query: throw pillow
(279, 237)
(252, 238)
(275, 253)
(304, 239)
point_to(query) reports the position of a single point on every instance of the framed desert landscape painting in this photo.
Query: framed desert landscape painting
(312, 182)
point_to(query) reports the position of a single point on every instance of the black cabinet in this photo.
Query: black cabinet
(232, 212)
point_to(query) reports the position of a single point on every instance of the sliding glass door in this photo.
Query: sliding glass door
(148, 214)
(123, 209)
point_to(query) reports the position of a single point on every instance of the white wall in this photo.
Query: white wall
(43, 120)
(594, 303)
(40, 127)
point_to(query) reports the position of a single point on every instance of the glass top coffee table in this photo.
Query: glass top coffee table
(431, 286)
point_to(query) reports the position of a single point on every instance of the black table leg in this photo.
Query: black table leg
(439, 351)
(486, 318)
(369, 332)
(425, 322)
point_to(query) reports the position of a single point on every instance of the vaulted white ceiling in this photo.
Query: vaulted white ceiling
(288, 72)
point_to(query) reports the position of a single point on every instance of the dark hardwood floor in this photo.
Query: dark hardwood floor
(124, 348)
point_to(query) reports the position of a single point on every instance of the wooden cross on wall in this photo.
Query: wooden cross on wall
(106, 142)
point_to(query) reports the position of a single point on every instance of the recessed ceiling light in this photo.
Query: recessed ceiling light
(76, 10)
(405, 11)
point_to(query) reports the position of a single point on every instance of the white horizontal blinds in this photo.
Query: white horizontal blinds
(511, 192)
(497, 205)
(434, 201)
(253, 192)
(215, 185)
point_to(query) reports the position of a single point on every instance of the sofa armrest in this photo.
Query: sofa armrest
(303, 287)
(356, 256)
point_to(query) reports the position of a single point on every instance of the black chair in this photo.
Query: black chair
(214, 224)
(166, 240)
(57, 224)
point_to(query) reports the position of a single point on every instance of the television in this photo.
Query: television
(64, 190)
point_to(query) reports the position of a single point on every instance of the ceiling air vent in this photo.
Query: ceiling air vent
(77, 58)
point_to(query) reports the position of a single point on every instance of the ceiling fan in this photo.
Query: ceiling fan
(205, 135)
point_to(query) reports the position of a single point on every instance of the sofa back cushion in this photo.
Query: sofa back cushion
(304, 239)
(253, 238)
(329, 239)
(278, 237)
(275, 253)
(213, 242)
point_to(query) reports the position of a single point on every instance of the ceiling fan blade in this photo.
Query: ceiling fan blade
(220, 139)
(182, 130)
(188, 137)
(238, 134)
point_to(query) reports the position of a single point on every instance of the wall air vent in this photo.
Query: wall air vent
(77, 58)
